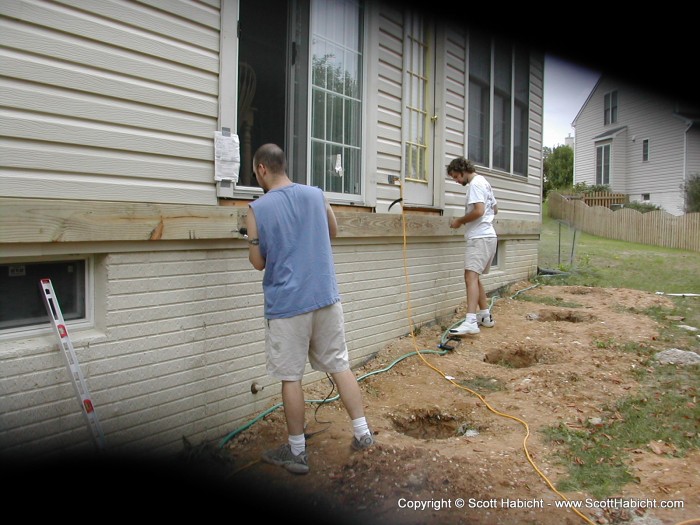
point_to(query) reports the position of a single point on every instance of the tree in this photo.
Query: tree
(558, 170)
(691, 189)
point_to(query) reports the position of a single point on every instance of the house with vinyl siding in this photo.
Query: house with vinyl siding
(113, 185)
(637, 142)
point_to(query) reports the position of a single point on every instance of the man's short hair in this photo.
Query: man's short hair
(272, 156)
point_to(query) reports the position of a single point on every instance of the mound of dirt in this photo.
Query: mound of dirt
(458, 432)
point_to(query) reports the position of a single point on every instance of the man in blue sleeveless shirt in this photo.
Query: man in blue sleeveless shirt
(289, 232)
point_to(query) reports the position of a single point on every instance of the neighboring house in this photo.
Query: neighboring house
(637, 142)
(109, 187)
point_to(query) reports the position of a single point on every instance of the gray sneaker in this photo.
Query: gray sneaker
(363, 443)
(283, 457)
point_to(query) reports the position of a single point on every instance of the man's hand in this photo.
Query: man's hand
(455, 223)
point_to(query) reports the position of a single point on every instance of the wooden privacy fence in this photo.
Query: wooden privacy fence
(658, 227)
(601, 198)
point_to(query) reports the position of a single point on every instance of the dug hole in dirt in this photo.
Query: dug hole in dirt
(463, 425)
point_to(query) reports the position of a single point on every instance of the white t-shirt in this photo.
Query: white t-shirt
(479, 190)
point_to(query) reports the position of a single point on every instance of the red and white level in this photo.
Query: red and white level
(76, 375)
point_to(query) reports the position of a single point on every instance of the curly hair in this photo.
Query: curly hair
(461, 165)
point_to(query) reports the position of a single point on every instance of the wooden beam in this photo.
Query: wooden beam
(50, 221)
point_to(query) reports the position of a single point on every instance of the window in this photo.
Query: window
(521, 111)
(610, 109)
(645, 150)
(302, 89)
(498, 104)
(646, 196)
(502, 91)
(479, 99)
(21, 299)
(336, 96)
(416, 143)
(496, 257)
(602, 164)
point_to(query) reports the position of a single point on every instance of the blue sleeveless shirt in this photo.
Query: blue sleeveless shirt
(293, 230)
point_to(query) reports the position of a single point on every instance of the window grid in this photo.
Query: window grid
(336, 96)
(602, 168)
(610, 108)
(416, 102)
(498, 105)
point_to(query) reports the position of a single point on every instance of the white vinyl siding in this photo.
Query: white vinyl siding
(642, 115)
(109, 101)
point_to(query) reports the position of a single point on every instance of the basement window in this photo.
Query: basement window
(495, 262)
(22, 306)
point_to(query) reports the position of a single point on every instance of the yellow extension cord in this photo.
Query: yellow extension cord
(413, 338)
(692, 521)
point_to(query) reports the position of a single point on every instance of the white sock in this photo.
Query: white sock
(485, 313)
(298, 444)
(360, 427)
(471, 318)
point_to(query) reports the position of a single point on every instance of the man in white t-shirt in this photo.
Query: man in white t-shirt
(480, 209)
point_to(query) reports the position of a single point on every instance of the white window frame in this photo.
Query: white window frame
(610, 107)
(605, 169)
(334, 167)
(416, 92)
(38, 329)
(512, 107)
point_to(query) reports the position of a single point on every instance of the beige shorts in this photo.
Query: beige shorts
(479, 254)
(318, 335)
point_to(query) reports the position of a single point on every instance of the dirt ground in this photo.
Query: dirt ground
(458, 431)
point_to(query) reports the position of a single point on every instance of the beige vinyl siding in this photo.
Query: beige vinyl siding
(109, 101)
(179, 340)
(455, 96)
(389, 111)
(118, 101)
(519, 198)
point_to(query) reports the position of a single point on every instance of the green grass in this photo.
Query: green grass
(588, 260)
(665, 408)
(666, 414)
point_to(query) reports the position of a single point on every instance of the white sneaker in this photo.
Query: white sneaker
(465, 328)
(485, 320)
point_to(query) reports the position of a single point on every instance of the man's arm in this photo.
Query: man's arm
(477, 211)
(254, 255)
(332, 222)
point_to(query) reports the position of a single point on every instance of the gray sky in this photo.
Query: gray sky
(566, 87)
